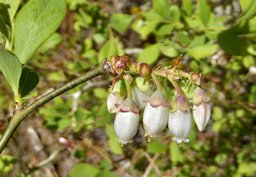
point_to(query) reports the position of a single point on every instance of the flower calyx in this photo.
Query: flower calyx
(157, 99)
(181, 103)
(128, 105)
(200, 97)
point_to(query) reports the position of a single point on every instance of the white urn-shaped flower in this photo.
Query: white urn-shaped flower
(126, 121)
(155, 115)
(201, 109)
(179, 122)
(113, 102)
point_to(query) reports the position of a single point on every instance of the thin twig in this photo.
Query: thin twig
(49, 159)
(151, 165)
(20, 116)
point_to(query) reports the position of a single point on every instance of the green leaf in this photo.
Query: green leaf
(35, 23)
(13, 6)
(169, 51)
(11, 68)
(156, 146)
(120, 22)
(183, 38)
(146, 28)
(194, 22)
(245, 4)
(203, 51)
(99, 38)
(83, 170)
(164, 29)
(28, 81)
(175, 13)
(150, 54)
(161, 7)
(197, 41)
(250, 12)
(110, 48)
(187, 6)
(5, 21)
(204, 11)
(231, 43)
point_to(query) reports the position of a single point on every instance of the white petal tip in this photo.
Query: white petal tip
(123, 142)
(180, 140)
(151, 135)
(200, 129)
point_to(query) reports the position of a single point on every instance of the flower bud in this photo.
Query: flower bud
(179, 124)
(126, 121)
(155, 115)
(143, 69)
(139, 97)
(201, 115)
(195, 78)
(113, 102)
(200, 97)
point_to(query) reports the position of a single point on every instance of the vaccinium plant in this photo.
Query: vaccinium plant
(215, 38)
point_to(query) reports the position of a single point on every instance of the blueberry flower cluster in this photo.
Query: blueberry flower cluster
(157, 111)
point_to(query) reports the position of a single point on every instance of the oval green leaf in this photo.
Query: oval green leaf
(34, 24)
(203, 51)
(120, 22)
(150, 54)
(204, 11)
(11, 68)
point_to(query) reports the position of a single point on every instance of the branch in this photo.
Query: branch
(151, 165)
(103, 68)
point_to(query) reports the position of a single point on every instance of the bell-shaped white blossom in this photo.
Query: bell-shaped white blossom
(126, 121)
(179, 124)
(155, 115)
(139, 97)
(113, 102)
(201, 114)
(126, 126)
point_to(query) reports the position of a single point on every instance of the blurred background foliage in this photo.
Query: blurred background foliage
(74, 136)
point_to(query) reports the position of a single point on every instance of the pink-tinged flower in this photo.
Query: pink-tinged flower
(126, 121)
(139, 97)
(179, 124)
(155, 115)
(113, 102)
(201, 109)
(201, 115)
